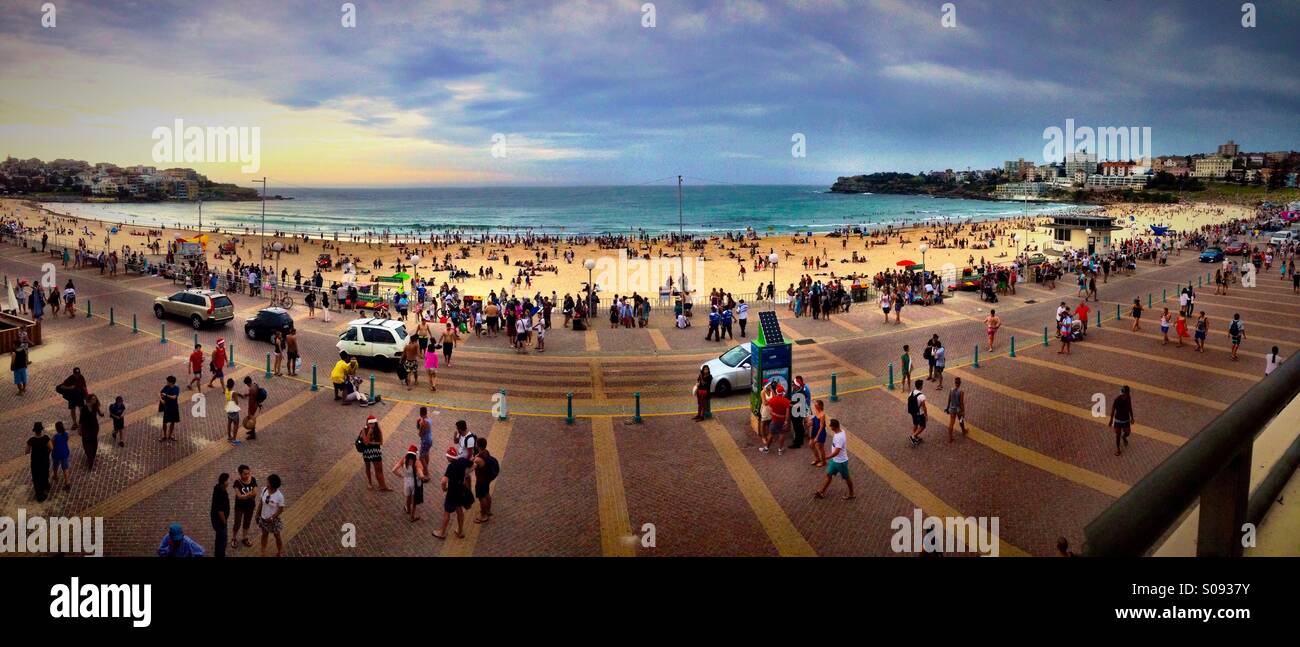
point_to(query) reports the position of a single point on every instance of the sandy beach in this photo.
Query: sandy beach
(722, 257)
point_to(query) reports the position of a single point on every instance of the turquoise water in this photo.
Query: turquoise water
(589, 210)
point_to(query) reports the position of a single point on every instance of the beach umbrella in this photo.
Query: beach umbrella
(403, 276)
(905, 263)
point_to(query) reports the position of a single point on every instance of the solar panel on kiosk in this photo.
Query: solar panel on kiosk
(770, 327)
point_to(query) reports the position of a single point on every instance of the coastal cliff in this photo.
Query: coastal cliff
(908, 184)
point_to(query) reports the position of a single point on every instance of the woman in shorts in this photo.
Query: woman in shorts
(1202, 328)
(885, 303)
(232, 411)
(1164, 327)
(269, 507)
(818, 434)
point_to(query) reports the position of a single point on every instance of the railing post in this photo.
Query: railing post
(314, 387)
(1223, 508)
(835, 391)
(568, 416)
(636, 417)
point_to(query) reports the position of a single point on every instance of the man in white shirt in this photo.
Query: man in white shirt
(742, 315)
(838, 462)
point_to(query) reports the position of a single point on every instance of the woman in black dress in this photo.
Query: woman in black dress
(90, 415)
(39, 447)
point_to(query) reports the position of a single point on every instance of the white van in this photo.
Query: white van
(381, 339)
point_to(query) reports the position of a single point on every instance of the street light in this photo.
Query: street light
(590, 265)
(771, 260)
(924, 248)
(276, 247)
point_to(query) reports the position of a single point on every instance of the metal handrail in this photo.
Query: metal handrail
(1213, 466)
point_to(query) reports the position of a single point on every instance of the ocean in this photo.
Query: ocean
(564, 210)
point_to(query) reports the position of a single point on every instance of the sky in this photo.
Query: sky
(588, 92)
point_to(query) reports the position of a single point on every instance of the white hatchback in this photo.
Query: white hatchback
(730, 370)
(381, 339)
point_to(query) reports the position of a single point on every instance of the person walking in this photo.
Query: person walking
(39, 446)
(219, 512)
(956, 408)
(448, 342)
(838, 463)
(270, 506)
(245, 487)
(89, 417)
(117, 414)
(991, 325)
(486, 470)
(424, 431)
(61, 456)
(411, 471)
(371, 442)
(18, 361)
(218, 363)
(1136, 313)
(917, 410)
(169, 405)
(742, 316)
(1164, 327)
(1236, 333)
(1202, 330)
(940, 361)
(1121, 418)
(1180, 328)
(196, 369)
(74, 391)
(905, 361)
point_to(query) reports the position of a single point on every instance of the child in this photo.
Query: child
(117, 411)
(907, 364)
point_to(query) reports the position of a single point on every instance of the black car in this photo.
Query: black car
(267, 321)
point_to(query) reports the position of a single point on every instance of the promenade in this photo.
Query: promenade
(1035, 457)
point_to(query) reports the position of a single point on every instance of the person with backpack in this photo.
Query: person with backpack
(916, 409)
(1237, 331)
(486, 470)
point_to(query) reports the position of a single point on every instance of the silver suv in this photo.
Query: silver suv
(199, 307)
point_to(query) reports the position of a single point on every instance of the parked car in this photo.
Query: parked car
(1212, 255)
(1282, 237)
(1234, 247)
(199, 307)
(730, 369)
(266, 322)
(378, 339)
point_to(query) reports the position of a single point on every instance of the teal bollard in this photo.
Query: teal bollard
(502, 413)
(88, 315)
(372, 387)
(1118, 314)
(1013, 346)
(163, 336)
(1099, 319)
(1198, 282)
(135, 324)
(835, 388)
(314, 387)
(1164, 295)
(636, 417)
(196, 339)
(112, 317)
(268, 370)
(977, 356)
(1150, 303)
(891, 376)
(568, 416)
(232, 353)
(1044, 335)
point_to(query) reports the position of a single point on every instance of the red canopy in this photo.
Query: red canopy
(905, 263)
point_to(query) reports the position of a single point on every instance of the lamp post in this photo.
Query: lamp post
(590, 265)
(771, 260)
(276, 247)
(1088, 232)
(924, 248)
